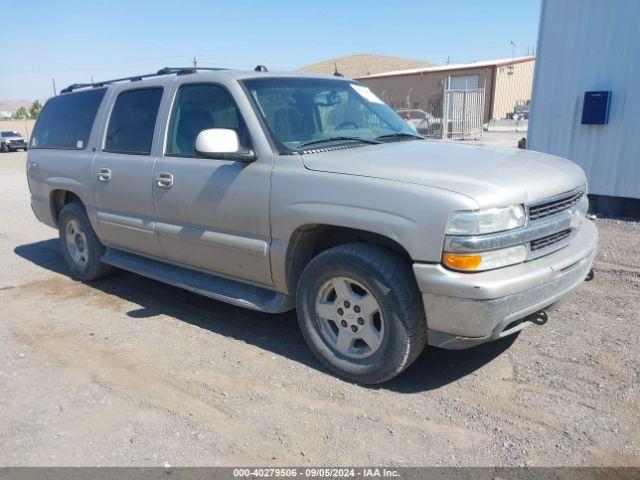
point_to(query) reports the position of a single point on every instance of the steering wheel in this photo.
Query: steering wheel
(347, 125)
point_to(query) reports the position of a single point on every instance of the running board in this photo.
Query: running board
(209, 285)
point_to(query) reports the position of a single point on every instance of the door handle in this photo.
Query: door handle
(165, 180)
(104, 174)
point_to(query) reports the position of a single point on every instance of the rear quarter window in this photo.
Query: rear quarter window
(66, 120)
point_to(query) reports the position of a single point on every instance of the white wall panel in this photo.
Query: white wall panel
(588, 45)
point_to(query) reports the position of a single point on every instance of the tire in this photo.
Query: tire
(80, 245)
(4, 148)
(378, 345)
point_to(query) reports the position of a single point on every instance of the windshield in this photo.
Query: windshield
(304, 111)
(9, 134)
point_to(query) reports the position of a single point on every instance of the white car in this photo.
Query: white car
(423, 122)
(10, 140)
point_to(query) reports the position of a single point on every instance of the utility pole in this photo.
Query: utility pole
(513, 50)
(54, 86)
(195, 61)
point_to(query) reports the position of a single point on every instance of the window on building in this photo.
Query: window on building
(464, 82)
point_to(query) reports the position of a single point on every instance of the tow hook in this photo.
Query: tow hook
(589, 276)
(539, 318)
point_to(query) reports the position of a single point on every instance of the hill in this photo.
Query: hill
(355, 66)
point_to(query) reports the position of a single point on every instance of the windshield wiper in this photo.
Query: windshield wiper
(333, 139)
(400, 135)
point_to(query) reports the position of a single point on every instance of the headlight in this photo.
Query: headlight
(485, 221)
(477, 262)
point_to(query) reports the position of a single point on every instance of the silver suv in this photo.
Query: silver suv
(274, 191)
(10, 140)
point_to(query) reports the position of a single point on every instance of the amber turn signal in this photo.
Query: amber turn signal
(462, 262)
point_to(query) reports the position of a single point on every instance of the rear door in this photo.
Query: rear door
(212, 214)
(123, 172)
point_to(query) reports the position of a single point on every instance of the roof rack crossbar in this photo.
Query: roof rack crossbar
(137, 78)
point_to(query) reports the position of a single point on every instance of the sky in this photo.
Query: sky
(74, 41)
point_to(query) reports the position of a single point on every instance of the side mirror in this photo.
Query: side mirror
(222, 144)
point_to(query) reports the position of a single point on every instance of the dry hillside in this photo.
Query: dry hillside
(356, 66)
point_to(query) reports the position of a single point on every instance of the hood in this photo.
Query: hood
(492, 177)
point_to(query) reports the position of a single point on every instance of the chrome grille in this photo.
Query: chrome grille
(549, 208)
(543, 242)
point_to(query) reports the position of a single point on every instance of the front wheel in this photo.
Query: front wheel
(4, 148)
(80, 245)
(361, 313)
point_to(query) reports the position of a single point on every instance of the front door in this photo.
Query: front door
(123, 173)
(211, 214)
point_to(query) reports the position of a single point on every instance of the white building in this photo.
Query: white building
(583, 46)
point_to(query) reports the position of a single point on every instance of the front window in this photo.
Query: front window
(303, 113)
(9, 134)
(198, 107)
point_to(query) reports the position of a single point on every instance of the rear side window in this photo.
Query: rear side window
(132, 122)
(66, 120)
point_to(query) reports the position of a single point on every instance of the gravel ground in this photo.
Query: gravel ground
(128, 371)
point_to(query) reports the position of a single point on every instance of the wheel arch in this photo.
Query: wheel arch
(309, 240)
(60, 197)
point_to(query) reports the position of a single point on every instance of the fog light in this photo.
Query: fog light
(477, 262)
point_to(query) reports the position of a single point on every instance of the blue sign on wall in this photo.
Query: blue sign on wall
(595, 110)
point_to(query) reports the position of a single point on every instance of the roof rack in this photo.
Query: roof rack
(137, 78)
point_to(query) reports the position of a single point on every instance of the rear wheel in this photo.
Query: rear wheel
(361, 313)
(80, 245)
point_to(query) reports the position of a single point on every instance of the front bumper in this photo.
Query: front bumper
(466, 309)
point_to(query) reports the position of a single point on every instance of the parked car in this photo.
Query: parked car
(423, 122)
(11, 141)
(278, 191)
(521, 110)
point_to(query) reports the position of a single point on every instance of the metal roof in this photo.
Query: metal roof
(457, 66)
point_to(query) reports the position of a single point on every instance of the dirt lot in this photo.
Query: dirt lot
(128, 371)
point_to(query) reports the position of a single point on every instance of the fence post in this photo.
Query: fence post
(445, 113)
